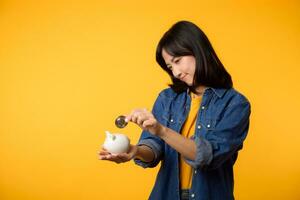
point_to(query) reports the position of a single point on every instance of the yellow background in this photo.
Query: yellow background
(69, 68)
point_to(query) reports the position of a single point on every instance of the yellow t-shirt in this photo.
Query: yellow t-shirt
(188, 130)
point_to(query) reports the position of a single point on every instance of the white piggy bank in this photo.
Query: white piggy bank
(116, 143)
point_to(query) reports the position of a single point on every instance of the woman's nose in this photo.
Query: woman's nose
(177, 73)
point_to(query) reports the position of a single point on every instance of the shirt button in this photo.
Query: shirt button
(208, 125)
(198, 126)
(203, 107)
(172, 120)
(195, 171)
(193, 195)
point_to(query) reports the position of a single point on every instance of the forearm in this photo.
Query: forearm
(185, 146)
(144, 153)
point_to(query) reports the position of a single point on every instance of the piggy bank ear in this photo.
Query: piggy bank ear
(110, 136)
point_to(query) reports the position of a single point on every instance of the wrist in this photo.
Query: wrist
(137, 154)
(144, 153)
(161, 131)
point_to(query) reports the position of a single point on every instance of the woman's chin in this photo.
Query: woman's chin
(189, 84)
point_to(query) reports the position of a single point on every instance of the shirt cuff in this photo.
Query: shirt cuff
(155, 147)
(204, 153)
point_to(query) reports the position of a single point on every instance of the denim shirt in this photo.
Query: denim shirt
(221, 127)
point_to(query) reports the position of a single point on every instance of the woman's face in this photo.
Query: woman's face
(182, 67)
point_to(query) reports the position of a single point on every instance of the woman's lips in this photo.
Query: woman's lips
(181, 78)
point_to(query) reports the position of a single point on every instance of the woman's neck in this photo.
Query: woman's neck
(200, 90)
(198, 93)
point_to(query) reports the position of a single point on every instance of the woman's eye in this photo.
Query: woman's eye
(177, 61)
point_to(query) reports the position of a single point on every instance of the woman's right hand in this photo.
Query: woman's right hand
(118, 158)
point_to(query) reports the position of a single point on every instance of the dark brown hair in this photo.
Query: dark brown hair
(186, 38)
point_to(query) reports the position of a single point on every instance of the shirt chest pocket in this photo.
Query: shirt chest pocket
(205, 126)
(169, 119)
(209, 124)
(208, 120)
(210, 131)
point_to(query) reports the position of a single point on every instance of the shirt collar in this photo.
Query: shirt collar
(218, 91)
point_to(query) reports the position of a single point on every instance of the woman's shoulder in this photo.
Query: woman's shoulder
(235, 96)
(168, 93)
(232, 95)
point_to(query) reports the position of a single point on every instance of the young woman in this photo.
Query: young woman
(197, 125)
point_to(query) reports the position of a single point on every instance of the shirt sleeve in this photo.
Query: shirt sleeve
(225, 140)
(155, 143)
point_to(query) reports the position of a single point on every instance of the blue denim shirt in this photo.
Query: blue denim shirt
(221, 127)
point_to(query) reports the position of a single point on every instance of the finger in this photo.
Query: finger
(128, 117)
(103, 157)
(107, 157)
(102, 148)
(124, 157)
(103, 153)
(135, 116)
(115, 158)
(143, 115)
(148, 123)
(141, 118)
(110, 160)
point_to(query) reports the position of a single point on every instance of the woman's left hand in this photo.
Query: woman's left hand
(145, 120)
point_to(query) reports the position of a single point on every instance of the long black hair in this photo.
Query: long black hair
(186, 38)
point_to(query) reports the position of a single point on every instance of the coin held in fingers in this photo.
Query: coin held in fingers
(120, 122)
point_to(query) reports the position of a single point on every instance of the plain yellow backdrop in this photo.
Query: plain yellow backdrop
(69, 68)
